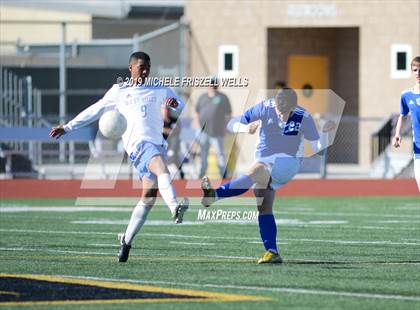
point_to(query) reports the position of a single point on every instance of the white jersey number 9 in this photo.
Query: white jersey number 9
(143, 110)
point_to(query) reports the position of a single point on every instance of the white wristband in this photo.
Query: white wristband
(240, 128)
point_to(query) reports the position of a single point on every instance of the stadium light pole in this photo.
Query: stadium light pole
(62, 77)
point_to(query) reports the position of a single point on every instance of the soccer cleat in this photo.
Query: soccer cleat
(209, 193)
(178, 215)
(124, 249)
(270, 258)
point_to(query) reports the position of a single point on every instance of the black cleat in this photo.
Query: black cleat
(178, 215)
(209, 193)
(124, 249)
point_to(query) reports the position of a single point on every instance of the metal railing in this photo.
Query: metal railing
(21, 106)
(381, 138)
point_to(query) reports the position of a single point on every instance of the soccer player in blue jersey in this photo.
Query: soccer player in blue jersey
(283, 127)
(410, 103)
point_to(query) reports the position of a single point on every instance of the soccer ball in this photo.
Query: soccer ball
(112, 124)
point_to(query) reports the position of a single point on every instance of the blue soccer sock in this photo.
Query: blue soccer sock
(268, 231)
(235, 187)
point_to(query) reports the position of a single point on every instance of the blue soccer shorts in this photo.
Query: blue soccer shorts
(141, 157)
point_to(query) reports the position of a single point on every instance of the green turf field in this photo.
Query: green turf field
(340, 253)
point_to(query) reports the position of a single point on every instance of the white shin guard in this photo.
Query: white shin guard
(138, 217)
(167, 191)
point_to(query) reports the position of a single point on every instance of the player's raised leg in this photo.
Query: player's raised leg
(235, 187)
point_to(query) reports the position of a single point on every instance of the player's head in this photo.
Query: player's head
(415, 68)
(139, 65)
(286, 100)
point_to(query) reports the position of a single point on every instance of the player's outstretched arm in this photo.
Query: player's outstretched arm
(236, 126)
(88, 115)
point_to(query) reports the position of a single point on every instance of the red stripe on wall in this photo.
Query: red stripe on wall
(127, 188)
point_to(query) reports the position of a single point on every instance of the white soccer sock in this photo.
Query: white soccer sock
(167, 191)
(138, 217)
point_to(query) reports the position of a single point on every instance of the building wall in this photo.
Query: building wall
(340, 46)
(245, 23)
(40, 33)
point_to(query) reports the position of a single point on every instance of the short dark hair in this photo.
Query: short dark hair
(139, 55)
(286, 98)
(415, 61)
(280, 84)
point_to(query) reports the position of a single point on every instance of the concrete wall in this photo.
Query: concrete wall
(245, 23)
(40, 33)
(340, 45)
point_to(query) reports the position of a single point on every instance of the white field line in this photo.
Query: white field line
(54, 251)
(398, 221)
(109, 245)
(259, 242)
(355, 242)
(283, 222)
(349, 214)
(232, 257)
(13, 209)
(267, 289)
(20, 249)
(191, 243)
(194, 201)
(288, 222)
(383, 228)
(106, 245)
(386, 242)
(336, 222)
(144, 254)
(125, 222)
(58, 232)
(202, 222)
(409, 207)
(64, 209)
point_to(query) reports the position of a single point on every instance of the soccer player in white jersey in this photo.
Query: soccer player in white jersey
(143, 141)
(283, 127)
(410, 103)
